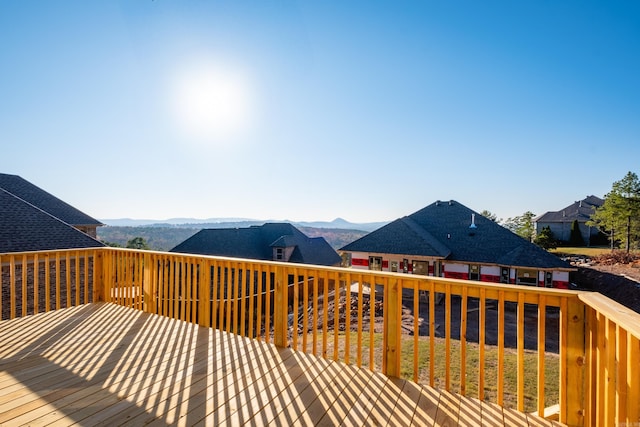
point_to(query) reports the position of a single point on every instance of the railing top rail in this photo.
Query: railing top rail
(50, 251)
(614, 311)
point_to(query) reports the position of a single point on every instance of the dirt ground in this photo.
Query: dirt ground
(440, 317)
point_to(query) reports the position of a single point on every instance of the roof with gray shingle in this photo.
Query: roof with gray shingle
(442, 230)
(257, 242)
(36, 196)
(24, 227)
(580, 210)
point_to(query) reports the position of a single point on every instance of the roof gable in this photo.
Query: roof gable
(36, 196)
(24, 227)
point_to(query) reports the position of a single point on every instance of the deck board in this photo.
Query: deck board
(101, 364)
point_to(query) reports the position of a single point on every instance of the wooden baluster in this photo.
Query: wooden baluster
(359, 344)
(500, 379)
(542, 314)
(520, 360)
(24, 284)
(432, 332)
(463, 341)
(482, 314)
(416, 329)
(316, 279)
(372, 322)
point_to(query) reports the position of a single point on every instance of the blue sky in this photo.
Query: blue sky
(313, 110)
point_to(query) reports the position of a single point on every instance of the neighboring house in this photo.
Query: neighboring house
(447, 239)
(560, 222)
(25, 227)
(271, 241)
(40, 199)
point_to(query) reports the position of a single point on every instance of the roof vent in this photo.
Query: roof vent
(437, 202)
(450, 202)
(473, 221)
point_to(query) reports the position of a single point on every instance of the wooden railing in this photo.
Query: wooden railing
(527, 347)
(34, 282)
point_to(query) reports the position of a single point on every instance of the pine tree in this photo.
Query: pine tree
(575, 238)
(619, 216)
(545, 239)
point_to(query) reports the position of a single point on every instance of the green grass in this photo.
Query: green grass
(552, 370)
(591, 251)
(490, 371)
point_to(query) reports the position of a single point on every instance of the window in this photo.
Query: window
(421, 267)
(346, 259)
(474, 272)
(375, 263)
(394, 266)
(504, 275)
(279, 254)
(526, 277)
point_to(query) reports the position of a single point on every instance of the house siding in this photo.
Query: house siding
(456, 270)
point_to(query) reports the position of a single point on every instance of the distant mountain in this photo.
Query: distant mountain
(342, 224)
(337, 223)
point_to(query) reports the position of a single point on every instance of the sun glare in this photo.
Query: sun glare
(211, 103)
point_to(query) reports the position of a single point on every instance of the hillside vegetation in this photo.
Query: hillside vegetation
(164, 238)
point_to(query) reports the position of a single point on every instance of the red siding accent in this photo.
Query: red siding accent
(360, 261)
(385, 264)
(431, 270)
(560, 284)
(456, 275)
(489, 278)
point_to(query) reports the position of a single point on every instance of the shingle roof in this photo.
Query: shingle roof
(30, 193)
(580, 210)
(445, 233)
(257, 242)
(23, 227)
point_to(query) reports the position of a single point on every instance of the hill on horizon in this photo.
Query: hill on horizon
(338, 223)
(163, 236)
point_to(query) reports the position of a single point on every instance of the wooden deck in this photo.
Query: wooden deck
(102, 364)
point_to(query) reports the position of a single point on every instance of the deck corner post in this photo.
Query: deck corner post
(280, 309)
(573, 364)
(392, 338)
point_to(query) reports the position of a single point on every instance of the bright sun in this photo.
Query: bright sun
(211, 103)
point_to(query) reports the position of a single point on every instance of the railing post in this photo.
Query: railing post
(573, 361)
(204, 293)
(392, 327)
(149, 284)
(280, 309)
(98, 275)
